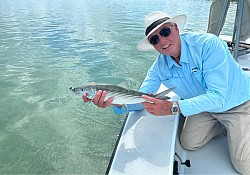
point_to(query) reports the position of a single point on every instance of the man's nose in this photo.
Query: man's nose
(162, 39)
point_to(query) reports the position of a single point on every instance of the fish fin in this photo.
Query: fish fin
(123, 84)
(91, 83)
(90, 102)
(162, 95)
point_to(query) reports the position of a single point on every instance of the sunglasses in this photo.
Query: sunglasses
(165, 32)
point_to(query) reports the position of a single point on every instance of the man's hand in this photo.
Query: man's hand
(98, 100)
(157, 107)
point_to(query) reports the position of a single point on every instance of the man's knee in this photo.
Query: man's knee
(189, 144)
(242, 166)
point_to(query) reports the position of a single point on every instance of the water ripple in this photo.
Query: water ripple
(47, 47)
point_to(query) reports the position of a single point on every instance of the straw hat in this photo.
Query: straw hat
(155, 20)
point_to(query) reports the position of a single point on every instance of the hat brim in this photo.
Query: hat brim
(180, 20)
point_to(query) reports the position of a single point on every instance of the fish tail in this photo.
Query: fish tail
(162, 95)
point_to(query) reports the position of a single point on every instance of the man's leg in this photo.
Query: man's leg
(198, 130)
(215, 15)
(237, 123)
(245, 27)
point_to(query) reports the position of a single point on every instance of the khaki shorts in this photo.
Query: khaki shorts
(199, 129)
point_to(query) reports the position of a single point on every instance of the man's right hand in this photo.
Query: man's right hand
(98, 100)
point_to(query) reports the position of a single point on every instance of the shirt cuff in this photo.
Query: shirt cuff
(128, 108)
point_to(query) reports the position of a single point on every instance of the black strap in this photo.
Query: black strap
(154, 24)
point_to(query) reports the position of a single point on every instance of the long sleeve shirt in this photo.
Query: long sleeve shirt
(208, 78)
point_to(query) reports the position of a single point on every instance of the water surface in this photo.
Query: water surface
(48, 46)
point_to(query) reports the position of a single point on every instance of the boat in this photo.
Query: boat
(150, 145)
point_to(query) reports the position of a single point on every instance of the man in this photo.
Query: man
(216, 10)
(214, 89)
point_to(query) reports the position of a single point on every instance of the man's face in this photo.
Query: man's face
(166, 40)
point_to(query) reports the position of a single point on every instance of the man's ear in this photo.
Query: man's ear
(176, 27)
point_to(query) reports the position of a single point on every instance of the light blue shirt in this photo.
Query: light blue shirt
(208, 80)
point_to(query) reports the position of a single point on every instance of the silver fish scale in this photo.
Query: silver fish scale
(124, 98)
(116, 89)
(121, 95)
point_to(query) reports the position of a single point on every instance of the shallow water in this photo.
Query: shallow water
(47, 47)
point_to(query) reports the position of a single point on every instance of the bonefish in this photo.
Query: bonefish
(120, 92)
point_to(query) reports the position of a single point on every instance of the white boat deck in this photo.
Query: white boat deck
(147, 145)
(213, 158)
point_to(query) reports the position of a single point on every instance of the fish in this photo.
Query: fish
(122, 95)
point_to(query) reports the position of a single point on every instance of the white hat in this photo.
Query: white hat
(155, 20)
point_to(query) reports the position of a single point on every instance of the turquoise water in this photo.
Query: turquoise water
(48, 46)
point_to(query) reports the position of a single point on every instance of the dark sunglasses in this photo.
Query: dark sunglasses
(165, 32)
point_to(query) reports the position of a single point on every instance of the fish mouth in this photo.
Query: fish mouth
(72, 89)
